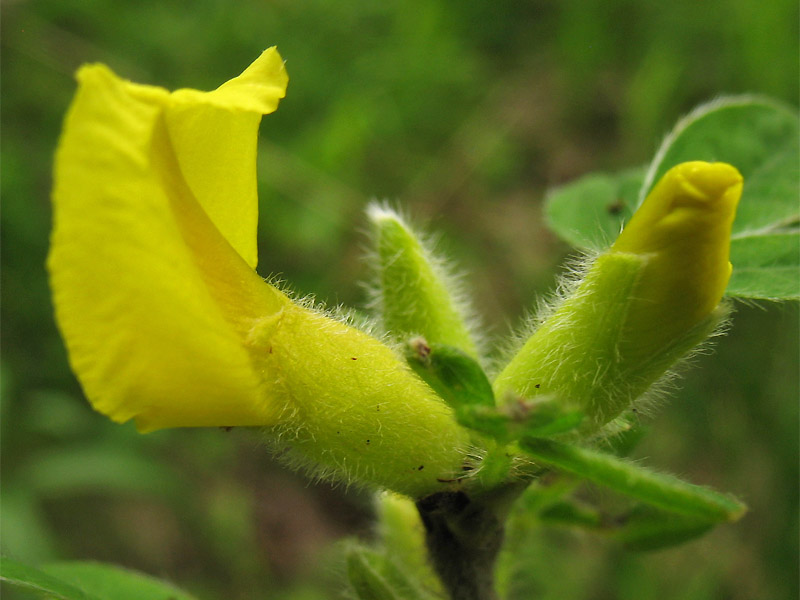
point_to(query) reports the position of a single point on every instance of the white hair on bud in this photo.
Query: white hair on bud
(452, 279)
(642, 404)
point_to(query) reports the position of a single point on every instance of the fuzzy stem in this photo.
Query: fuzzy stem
(464, 536)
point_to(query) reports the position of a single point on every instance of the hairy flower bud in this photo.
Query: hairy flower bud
(641, 305)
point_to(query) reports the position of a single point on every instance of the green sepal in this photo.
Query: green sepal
(451, 373)
(586, 352)
(574, 353)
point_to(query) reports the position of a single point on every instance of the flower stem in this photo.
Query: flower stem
(464, 536)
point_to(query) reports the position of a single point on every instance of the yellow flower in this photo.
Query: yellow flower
(642, 305)
(165, 319)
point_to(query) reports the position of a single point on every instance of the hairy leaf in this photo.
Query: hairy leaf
(658, 489)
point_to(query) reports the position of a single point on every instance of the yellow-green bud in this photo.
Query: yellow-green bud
(415, 295)
(642, 305)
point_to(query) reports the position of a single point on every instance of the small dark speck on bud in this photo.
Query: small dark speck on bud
(226, 428)
(419, 468)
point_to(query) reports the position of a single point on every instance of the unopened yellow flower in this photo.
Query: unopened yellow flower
(642, 305)
(684, 230)
(165, 319)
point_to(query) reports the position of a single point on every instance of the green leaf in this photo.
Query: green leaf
(546, 417)
(111, 582)
(758, 136)
(658, 489)
(86, 580)
(540, 417)
(761, 138)
(451, 373)
(623, 435)
(373, 576)
(488, 420)
(766, 266)
(546, 491)
(25, 576)
(572, 514)
(644, 528)
(589, 213)
(27, 533)
(647, 528)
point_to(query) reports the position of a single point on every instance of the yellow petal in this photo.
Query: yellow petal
(257, 90)
(683, 228)
(215, 137)
(147, 291)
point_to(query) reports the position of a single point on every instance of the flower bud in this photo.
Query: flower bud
(641, 305)
(415, 294)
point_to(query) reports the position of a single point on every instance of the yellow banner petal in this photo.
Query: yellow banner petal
(146, 336)
(215, 136)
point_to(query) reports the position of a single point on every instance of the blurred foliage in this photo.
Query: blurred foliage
(464, 113)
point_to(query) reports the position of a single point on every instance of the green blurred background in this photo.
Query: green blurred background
(463, 113)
